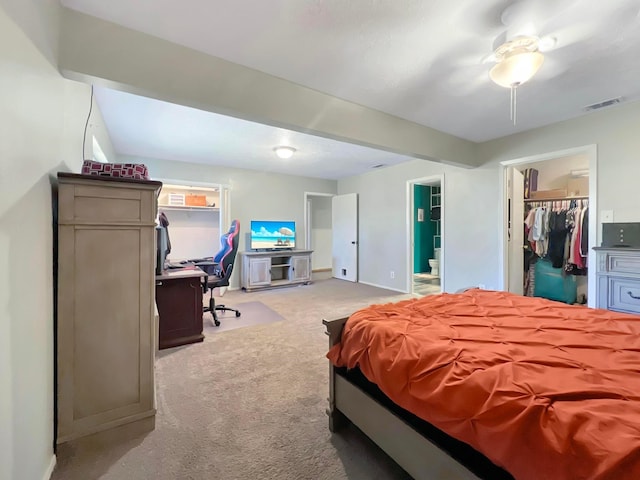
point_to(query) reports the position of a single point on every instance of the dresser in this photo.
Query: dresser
(618, 279)
(105, 311)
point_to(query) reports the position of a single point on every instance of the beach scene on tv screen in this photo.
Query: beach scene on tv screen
(270, 234)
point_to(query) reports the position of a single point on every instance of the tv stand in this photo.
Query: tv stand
(275, 268)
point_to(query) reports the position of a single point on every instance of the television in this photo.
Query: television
(273, 235)
(163, 248)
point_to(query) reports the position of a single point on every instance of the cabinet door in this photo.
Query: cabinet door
(105, 328)
(179, 304)
(259, 271)
(300, 271)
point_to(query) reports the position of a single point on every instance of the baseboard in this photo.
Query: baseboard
(49, 471)
(383, 286)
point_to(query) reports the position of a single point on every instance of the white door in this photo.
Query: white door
(515, 230)
(344, 217)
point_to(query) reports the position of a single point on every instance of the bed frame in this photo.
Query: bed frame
(404, 444)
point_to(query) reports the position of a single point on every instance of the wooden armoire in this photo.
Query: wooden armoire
(105, 312)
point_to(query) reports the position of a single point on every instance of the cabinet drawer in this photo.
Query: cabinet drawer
(623, 263)
(624, 294)
(82, 204)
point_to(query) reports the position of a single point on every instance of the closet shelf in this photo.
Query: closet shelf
(556, 199)
(188, 207)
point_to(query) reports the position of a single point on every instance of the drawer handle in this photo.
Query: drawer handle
(633, 296)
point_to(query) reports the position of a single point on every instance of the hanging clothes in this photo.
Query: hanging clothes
(557, 238)
(558, 232)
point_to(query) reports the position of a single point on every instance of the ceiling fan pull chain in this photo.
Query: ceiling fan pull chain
(513, 103)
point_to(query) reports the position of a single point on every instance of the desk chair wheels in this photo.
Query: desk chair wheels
(213, 308)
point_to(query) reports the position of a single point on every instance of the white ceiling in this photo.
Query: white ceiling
(423, 61)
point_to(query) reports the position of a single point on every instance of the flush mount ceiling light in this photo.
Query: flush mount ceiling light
(518, 61)
(284, 152)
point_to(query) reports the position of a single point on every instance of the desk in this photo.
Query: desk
(179, 300)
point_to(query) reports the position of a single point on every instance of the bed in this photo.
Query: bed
(484, 384)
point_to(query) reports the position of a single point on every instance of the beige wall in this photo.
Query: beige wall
(41, 130)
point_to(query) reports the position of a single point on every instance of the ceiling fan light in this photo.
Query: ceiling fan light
(516, 69)
(284, 152)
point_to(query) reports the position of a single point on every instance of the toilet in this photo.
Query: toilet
(434, 263)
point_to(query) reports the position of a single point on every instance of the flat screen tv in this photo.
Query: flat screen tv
(272, 235)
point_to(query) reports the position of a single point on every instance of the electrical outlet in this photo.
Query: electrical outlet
(393, 274)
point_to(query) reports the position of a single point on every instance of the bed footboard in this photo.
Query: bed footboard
(413, 452)
(337, 419)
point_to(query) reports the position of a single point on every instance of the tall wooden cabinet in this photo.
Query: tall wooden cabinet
(105, 304)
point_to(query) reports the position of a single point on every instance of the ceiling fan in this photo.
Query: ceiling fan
(535, 27)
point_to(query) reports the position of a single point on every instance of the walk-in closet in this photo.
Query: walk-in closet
(555, 228)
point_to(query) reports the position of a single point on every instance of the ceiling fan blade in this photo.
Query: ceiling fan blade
(528, 17)
(551, 68)
(464, 81)
(585, 24)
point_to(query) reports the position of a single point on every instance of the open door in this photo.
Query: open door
(515, 230)
(344, 217)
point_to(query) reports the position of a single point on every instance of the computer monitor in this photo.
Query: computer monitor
(162, 248)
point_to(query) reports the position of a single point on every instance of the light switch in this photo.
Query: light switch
(606, 216)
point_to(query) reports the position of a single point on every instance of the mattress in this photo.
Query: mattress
(543, 389)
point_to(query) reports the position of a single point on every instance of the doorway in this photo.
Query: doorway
(563, 186)
(426, 222)
(331, 231)
(319, 232)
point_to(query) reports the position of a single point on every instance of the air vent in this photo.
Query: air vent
(380, 165)
(606, 103)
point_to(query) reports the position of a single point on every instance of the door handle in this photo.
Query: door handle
(354, 243)
(632, 295)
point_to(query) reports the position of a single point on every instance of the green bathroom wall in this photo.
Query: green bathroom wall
(423, 231)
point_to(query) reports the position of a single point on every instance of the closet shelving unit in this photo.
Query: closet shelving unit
(170, 193)
(436, 202)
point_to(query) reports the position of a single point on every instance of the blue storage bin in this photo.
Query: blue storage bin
(553, 283)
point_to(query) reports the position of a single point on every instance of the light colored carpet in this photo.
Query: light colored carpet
(251, 313)
(248, 403)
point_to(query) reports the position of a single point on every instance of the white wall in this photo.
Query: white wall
(471, 252)
(473, 198)
(614, 131)
(554, 174)
(41, 129)
(98, 128)
(321, 233)
(253, 195)
(193, 233)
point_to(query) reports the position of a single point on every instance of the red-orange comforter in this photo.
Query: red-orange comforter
(543, 389)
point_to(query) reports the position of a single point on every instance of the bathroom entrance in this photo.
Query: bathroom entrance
(426, 236)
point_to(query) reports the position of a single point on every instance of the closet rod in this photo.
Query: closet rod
(556, 199)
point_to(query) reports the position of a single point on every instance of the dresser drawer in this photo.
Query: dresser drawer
(624, 294)
(621, 263)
